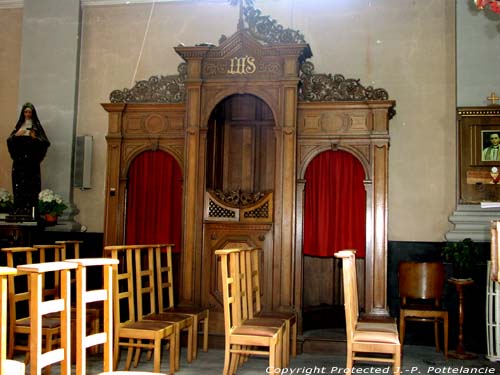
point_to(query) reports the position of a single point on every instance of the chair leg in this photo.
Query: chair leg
(48, 348)
(116, 353)
(130, 352)
(177, 345)
(205, 333)
(402, 328)
(157, 355)
(445, 338)
(349, 363)
(294, 340)
(286, 344)
(235, 360)
(436, 334)
(227, 358)
(191, 332)
(397, 362)
(137, 355)
(195, 336)
(172, 353)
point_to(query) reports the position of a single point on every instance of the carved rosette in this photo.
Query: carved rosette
(327, 88)
(157, 89)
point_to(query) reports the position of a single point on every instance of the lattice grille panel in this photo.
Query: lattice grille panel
(258, 213)
(214, 210)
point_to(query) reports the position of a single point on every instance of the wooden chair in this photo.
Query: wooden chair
(247, 318)
(146, 291)
(58, 252)
(364, 339)
(20, 309)
(84, 297)
(241, 339)
(50, 253)
(421, 290)
(39, 308)
(127, 326)
(252, 257)
(6, 366)
(68, 246)
(165, 281)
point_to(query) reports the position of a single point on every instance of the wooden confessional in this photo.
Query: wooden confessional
(244, 119)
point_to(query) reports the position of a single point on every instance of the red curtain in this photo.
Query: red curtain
(335, 205)
(154, 200)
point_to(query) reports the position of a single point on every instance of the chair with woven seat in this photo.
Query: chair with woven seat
(84, 297)
(39, 307)
(146, 291)
(6, 366)
(126, 325)
(164, 275)
(240, 339)
(255, 309)
(19, 308)
(421, 287)
(365, 341)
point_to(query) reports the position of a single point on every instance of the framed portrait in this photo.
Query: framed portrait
(490, 145)
(478, 152)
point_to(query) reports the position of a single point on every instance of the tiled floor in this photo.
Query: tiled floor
(417, 360)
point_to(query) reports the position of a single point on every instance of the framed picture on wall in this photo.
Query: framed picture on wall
(478, 152)
(490, 144)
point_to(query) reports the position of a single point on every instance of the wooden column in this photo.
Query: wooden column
(193, 180)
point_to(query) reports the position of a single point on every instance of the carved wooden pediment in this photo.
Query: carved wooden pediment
(242, 56)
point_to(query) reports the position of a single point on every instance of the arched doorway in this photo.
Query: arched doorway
(240, 145)
(153, 212)
(154, 200)
(240, 166)
(334, 219)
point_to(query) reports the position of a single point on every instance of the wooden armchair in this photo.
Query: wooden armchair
(129, 331)
(165, 282)
(241, 339)
(6, 366)
(421, 289)
(364, 339)
(39, 308)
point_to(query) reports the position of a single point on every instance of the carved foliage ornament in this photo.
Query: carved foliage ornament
(267, 30)
(158, 89)
(238, 198)
(325, 87)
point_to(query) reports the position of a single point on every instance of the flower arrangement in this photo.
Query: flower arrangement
(494, 5)
(50, 203)
(6, 201)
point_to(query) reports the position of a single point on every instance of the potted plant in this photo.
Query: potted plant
(50, 205)
(6, 203)
(463, 256)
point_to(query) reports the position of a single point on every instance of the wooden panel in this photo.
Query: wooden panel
(322, 281)
(224, 236)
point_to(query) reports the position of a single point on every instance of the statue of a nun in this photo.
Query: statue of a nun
(27, 146)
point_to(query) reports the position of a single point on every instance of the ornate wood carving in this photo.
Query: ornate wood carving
(157, 89)
(307, 114)
(325, 87)
(267, 30)
(239, 206)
